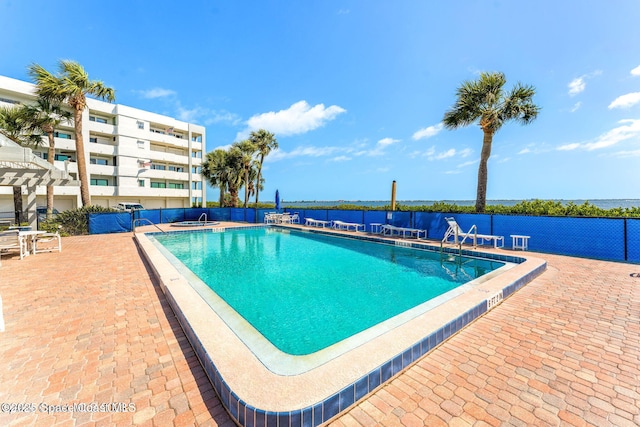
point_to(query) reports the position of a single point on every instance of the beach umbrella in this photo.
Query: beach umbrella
(277, 200)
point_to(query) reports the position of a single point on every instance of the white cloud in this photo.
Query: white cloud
(625, 101)
(636, 71)
(579, 84)
(432, 153)
(341, 159)
(378, 149)
(427, 132)
(576, 86)
(387, 141)
(222, 116)
(310, 151)
(569, 147)
(575, 107)
(298, 118)
(631, 153)
(469, 163)
(445, 154)
(190, 114)
(156, 92)
(466, 152)
(524, 151)
(628, 129)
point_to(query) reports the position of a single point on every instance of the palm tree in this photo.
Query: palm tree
(484, 101)
(214, 170)
(247, 150)
(234, 173)
(71, 86)
(14, 125)
(42, 118)
(265, 142)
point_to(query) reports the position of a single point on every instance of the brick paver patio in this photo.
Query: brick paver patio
(89, 325)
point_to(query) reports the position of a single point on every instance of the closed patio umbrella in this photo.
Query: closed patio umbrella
(277, 200)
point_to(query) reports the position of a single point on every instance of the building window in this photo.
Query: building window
(196, 169)
(178, 185)
(158, 184)
(97, 119)
(62, 135)
(95, 161)
(141, 183)
(93, 139)
(141, 144)
(196, 154)
(9, 101)
(196, 138)
(140, 124)
(158, 167)
(99, 181)
(196, 185)
(196, 201)
(176, 168)
(61, 157)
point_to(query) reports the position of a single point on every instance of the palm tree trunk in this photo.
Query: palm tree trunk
(246, 188)
(234, 197)
(51, 157)
(258, 179)
(481, 195)
(81, 159)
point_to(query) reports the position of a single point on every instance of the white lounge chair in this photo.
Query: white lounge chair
(316, 223)
(391, 230)
(460, 236)
(11, 240)
(47, 242)
(341, 225)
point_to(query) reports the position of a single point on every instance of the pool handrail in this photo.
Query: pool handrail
(203, 215)
(133, 224)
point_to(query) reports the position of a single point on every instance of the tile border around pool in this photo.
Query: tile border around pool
(246, 414)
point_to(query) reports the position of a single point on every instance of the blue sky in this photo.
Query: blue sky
(355, 90)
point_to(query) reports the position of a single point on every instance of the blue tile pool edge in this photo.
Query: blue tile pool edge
(247, 415)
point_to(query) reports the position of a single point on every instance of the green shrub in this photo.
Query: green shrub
(74, 222)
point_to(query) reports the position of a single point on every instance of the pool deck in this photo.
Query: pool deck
(91, 325)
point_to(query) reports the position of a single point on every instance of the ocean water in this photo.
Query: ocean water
(601, 203)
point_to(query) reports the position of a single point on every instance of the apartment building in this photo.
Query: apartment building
(133, 155)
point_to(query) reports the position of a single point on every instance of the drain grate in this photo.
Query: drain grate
(494, 300)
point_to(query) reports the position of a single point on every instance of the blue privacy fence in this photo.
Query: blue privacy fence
(616, 239)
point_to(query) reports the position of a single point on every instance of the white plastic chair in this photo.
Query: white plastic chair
(11, 240)
(460, 236)
(45, 239)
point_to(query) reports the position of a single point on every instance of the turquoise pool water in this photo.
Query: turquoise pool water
(305, 291)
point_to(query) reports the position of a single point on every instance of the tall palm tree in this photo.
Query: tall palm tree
(265, 142)
(214, 170)
(235, 173)
(42, 118)
(484, 101)
(15, 126)
(247, 150)
(72, 85)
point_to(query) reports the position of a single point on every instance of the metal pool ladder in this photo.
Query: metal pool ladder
(205, 218)
(137, 220)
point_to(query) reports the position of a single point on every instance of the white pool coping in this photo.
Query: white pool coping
(304, 385)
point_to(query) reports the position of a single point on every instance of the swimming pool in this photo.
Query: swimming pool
(305, 292)
(261, 385)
